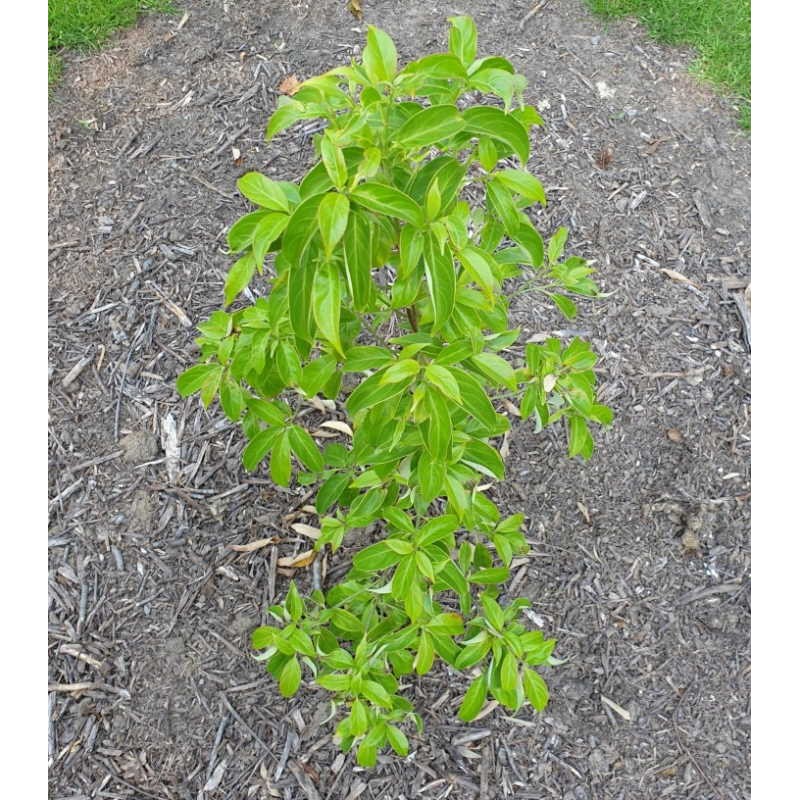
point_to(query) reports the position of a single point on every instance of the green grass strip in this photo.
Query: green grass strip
(86, 24)
(719, 29)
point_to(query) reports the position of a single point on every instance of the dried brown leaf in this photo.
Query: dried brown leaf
(336, 425)
(256, 545)
(289, 85)
(677, 276)
(674, 435)
(299, 561)
(306, 530)
(354, 7)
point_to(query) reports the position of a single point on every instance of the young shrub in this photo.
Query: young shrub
(388, 268)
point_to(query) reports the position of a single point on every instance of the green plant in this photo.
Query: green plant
(386, 273)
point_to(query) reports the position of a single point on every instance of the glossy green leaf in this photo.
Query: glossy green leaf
(430, 126)
(385, 199)
(290, 677)
(241, 234)
(535, 689)
(280, 461)
(333, 159)
(493, 122)
(267, 231)
(326, 302)
(380, 56)
(439, 426)
(193, 378)
(305, 449)
(259, 446)
(398, 740)
(262, 191)
(376, 557)
(332, 216)
(474, 699)
(523, 184)
(463, 39)
(441, 281)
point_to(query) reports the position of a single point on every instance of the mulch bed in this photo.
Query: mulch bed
(640, 560)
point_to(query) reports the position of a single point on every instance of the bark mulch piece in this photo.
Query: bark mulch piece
(640, 560)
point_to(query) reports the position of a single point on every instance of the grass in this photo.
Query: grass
(86, 24)
(719, 29)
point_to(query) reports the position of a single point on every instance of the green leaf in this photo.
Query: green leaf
(262, 191)
(430, 126)
(280, 461)
(535, 689)
(231, 397)
(380, 56)
(259, 446)
(463, 39)
(332, 216)
(443, 380)
(530, 240)
(288, 362)
(241, 234)
(404, 576)
(439, 427)
(441, 279)
(326, 302)
(376, 694)
(334, 683)
(523, 184)
(425, 654)
(437, 529)
(484, 458)
(333, 159)
(294, 603)
(501, 203)
(376, 557)
(487, 153)
(400, 371)
(489, 576)
(505, 85)
(286, 114)
(266, 232)
(331, 491)
(388, 200)
(492, 122)
(367, 754)
(210, 386)
(431, 473)
(317, 373)
(364, 357)
(346, 621)
(497, 369)
(565, 305)
(578, 433)
(449, 624)
(493, 611)
(475, 401)
(262, 637)
(509, 672)
(304, 448)
(555, 247)
(290, 677)
(358, 251)
(397, 740)
(478, 265)
(192, 379)
(473, 700)
(371, 393)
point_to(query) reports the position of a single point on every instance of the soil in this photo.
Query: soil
(641, 560)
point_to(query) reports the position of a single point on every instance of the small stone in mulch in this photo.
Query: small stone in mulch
(139, 446)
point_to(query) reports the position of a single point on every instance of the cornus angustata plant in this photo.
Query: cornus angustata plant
(386, 274)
